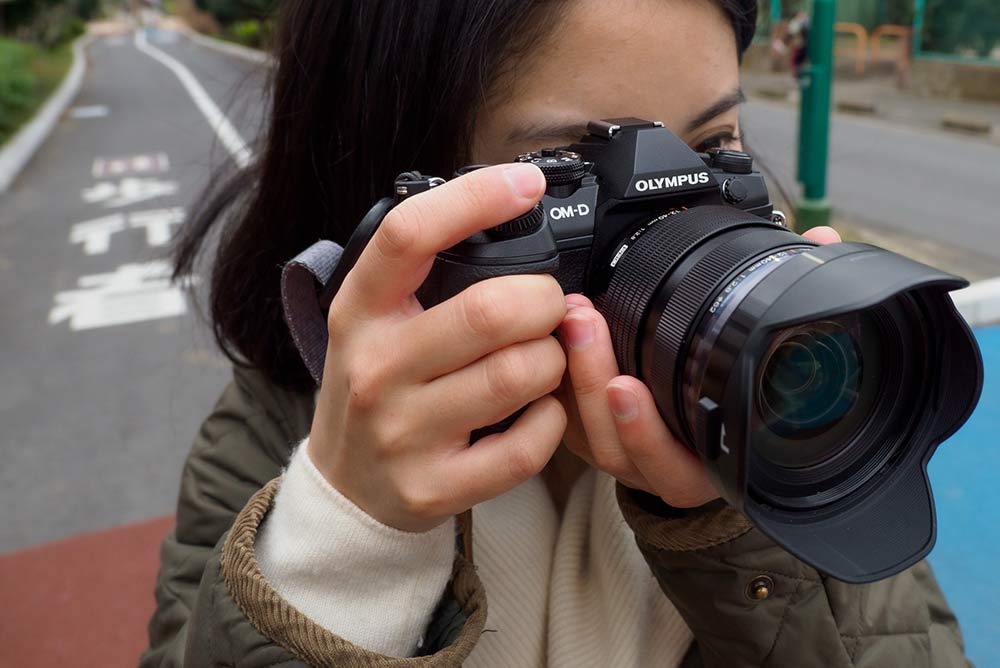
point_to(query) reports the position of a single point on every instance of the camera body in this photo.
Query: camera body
(814, 382)
(601, 192)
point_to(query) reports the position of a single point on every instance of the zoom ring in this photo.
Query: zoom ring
(692, 296)
(645, 266)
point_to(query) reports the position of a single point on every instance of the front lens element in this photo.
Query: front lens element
(810, 379)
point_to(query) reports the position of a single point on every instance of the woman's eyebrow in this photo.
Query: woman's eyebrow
(731, 100)
(543, 130)
(557, 130)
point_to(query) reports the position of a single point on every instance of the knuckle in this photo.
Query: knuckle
(552, 293)
(336, 324)
(555, 361)
(365, 386)
(400, 231)
(388, 436)
(505, 374)
(483, 310)
(587, 384)
(523, 461)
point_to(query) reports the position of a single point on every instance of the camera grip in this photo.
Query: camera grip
(448, 278)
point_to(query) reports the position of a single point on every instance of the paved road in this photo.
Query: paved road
(901, 181)
(97, 415)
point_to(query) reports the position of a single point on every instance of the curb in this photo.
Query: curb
(979, 303)
(966, 125)
(19, 151)
(228, 48)
(857, 107)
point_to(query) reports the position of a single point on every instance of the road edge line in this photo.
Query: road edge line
(19, 151)
(223, 129)
(979, 303)
(227, 48)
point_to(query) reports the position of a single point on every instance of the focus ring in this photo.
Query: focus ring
(644, 267)
(693, 293)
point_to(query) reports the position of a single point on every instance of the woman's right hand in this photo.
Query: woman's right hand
(403, 387)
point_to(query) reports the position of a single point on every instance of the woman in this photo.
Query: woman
(348, 558)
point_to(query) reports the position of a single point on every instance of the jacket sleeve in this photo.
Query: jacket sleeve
(209, 581)
(710, 562)
(239, 447)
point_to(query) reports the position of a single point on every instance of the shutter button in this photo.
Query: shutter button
(760, 588)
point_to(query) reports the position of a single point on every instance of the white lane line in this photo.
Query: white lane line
(92, 111)
(224, 130)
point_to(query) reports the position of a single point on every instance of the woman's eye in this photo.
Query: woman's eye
(721, 140)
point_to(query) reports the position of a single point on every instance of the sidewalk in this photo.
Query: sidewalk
(879, 97)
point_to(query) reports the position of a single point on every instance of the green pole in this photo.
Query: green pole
(816, 80)
(918, 25)
(775, 13)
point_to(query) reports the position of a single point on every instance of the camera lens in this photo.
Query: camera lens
(810, 379)
(681, 300)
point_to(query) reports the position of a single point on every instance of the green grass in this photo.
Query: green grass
(28, 75)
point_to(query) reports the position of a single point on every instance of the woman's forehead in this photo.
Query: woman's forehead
(666, 60)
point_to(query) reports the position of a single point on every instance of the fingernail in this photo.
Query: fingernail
(624, 404)
(579, 332)
(525, 180)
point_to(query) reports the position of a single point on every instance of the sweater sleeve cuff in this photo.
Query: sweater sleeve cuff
(679, 530)
(371, 584)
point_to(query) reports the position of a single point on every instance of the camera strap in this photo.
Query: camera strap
(301, 279)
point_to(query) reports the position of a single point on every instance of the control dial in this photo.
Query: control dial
(521, 226)
(558, 165)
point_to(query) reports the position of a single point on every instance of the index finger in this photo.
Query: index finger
(400, 254)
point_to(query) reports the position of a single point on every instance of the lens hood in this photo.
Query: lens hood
(882, 518)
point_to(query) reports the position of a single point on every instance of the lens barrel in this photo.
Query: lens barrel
(813, 381)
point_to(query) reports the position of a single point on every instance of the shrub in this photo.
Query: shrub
(249, 33)
(17, 84)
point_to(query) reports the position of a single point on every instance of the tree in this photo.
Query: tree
(957, 26)
(229, 11)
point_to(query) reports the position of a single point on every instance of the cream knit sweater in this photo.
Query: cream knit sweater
(570, 593)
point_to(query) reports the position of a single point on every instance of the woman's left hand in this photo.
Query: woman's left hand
(614, 424)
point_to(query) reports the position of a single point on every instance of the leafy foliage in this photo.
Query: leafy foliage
(969, 27)
(27, 75)
(230, 11)
(46, 22)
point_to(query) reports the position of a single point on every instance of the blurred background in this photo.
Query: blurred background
(113, 116)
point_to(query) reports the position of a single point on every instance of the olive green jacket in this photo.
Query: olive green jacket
(747, 601)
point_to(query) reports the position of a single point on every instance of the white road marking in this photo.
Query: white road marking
(95, 235)
(157, 223)
(132, 293)
(127, 191)
(224, 130)
(92, 111)
(145, 163)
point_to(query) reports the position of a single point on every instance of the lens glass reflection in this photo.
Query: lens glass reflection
(811, 379)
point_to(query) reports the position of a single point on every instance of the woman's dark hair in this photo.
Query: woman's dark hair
(362, 91)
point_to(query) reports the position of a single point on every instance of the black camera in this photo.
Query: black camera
(814, 382)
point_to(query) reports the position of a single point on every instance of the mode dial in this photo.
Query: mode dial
(558, 165)
(521, 226)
